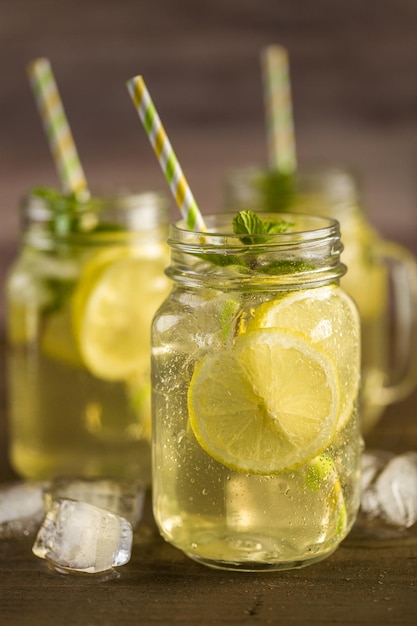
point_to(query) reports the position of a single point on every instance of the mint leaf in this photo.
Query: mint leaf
(72, 214)
(57, 201)
(252, 229)
(67, 210)
(249, 223)
(277, 190)
(277, 227)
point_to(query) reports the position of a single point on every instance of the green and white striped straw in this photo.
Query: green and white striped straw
(278, 109)
(56, 127)
(165, 154)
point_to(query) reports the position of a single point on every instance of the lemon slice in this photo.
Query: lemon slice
(113, 306)
(269, 404)
(91, 273)
(327, 317)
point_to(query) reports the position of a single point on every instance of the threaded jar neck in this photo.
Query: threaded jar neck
(332, 191)
(307, 253)
(115, 219)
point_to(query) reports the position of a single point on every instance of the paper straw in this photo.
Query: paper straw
(56, 127)
(165, 154)
(278, 109)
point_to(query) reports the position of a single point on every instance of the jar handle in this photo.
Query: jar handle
(402, 267)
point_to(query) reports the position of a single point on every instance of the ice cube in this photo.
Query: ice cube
(123, 498)
(76, 536)
(21, 509)
(389, 490)
(372, 463)
(396, 490)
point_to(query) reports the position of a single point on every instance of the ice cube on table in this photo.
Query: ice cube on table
(396, 490)
(372, 463)
(21, 509)
(122, 498)
(80, 537)
(389, 488)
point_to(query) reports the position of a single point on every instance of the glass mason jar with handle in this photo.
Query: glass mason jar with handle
(255, 380)
(79, 301)
(381, 277)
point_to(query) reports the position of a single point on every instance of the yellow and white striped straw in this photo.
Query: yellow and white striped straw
(278, 109)
(56, 127)
(165, 154)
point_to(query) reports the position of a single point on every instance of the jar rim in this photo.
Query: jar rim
(59, 216)
(38, 207)
(303, 227)
(339, 173)
(317, 189)
(309, 253)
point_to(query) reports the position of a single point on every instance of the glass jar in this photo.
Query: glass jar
(255, 378)
(79, 302)
(381, 277)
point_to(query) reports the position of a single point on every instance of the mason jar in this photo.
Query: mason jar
(382, 276)
(79, 302)
(255, 381)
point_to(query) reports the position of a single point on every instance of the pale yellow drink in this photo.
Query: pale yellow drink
(381, 277)
(255, 376)
(80, 298)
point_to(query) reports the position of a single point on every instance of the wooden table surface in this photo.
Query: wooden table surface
(363, 582)
(354, 69)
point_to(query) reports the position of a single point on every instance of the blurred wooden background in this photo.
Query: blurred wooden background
(354, 81)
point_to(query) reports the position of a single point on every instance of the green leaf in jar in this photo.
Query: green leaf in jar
(249, 223)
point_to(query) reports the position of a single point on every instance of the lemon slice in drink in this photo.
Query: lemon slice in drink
(269, 404)
(113, 306)
(326, 317)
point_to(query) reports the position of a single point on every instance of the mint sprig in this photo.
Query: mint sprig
(66, 210)
(249, 223)
(277, 190)
(72, 214)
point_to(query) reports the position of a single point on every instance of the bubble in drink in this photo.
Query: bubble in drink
(80, 537)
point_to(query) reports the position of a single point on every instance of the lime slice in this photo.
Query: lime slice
(269, 404)
(113, 306)
(326, 317)
(322, 477)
